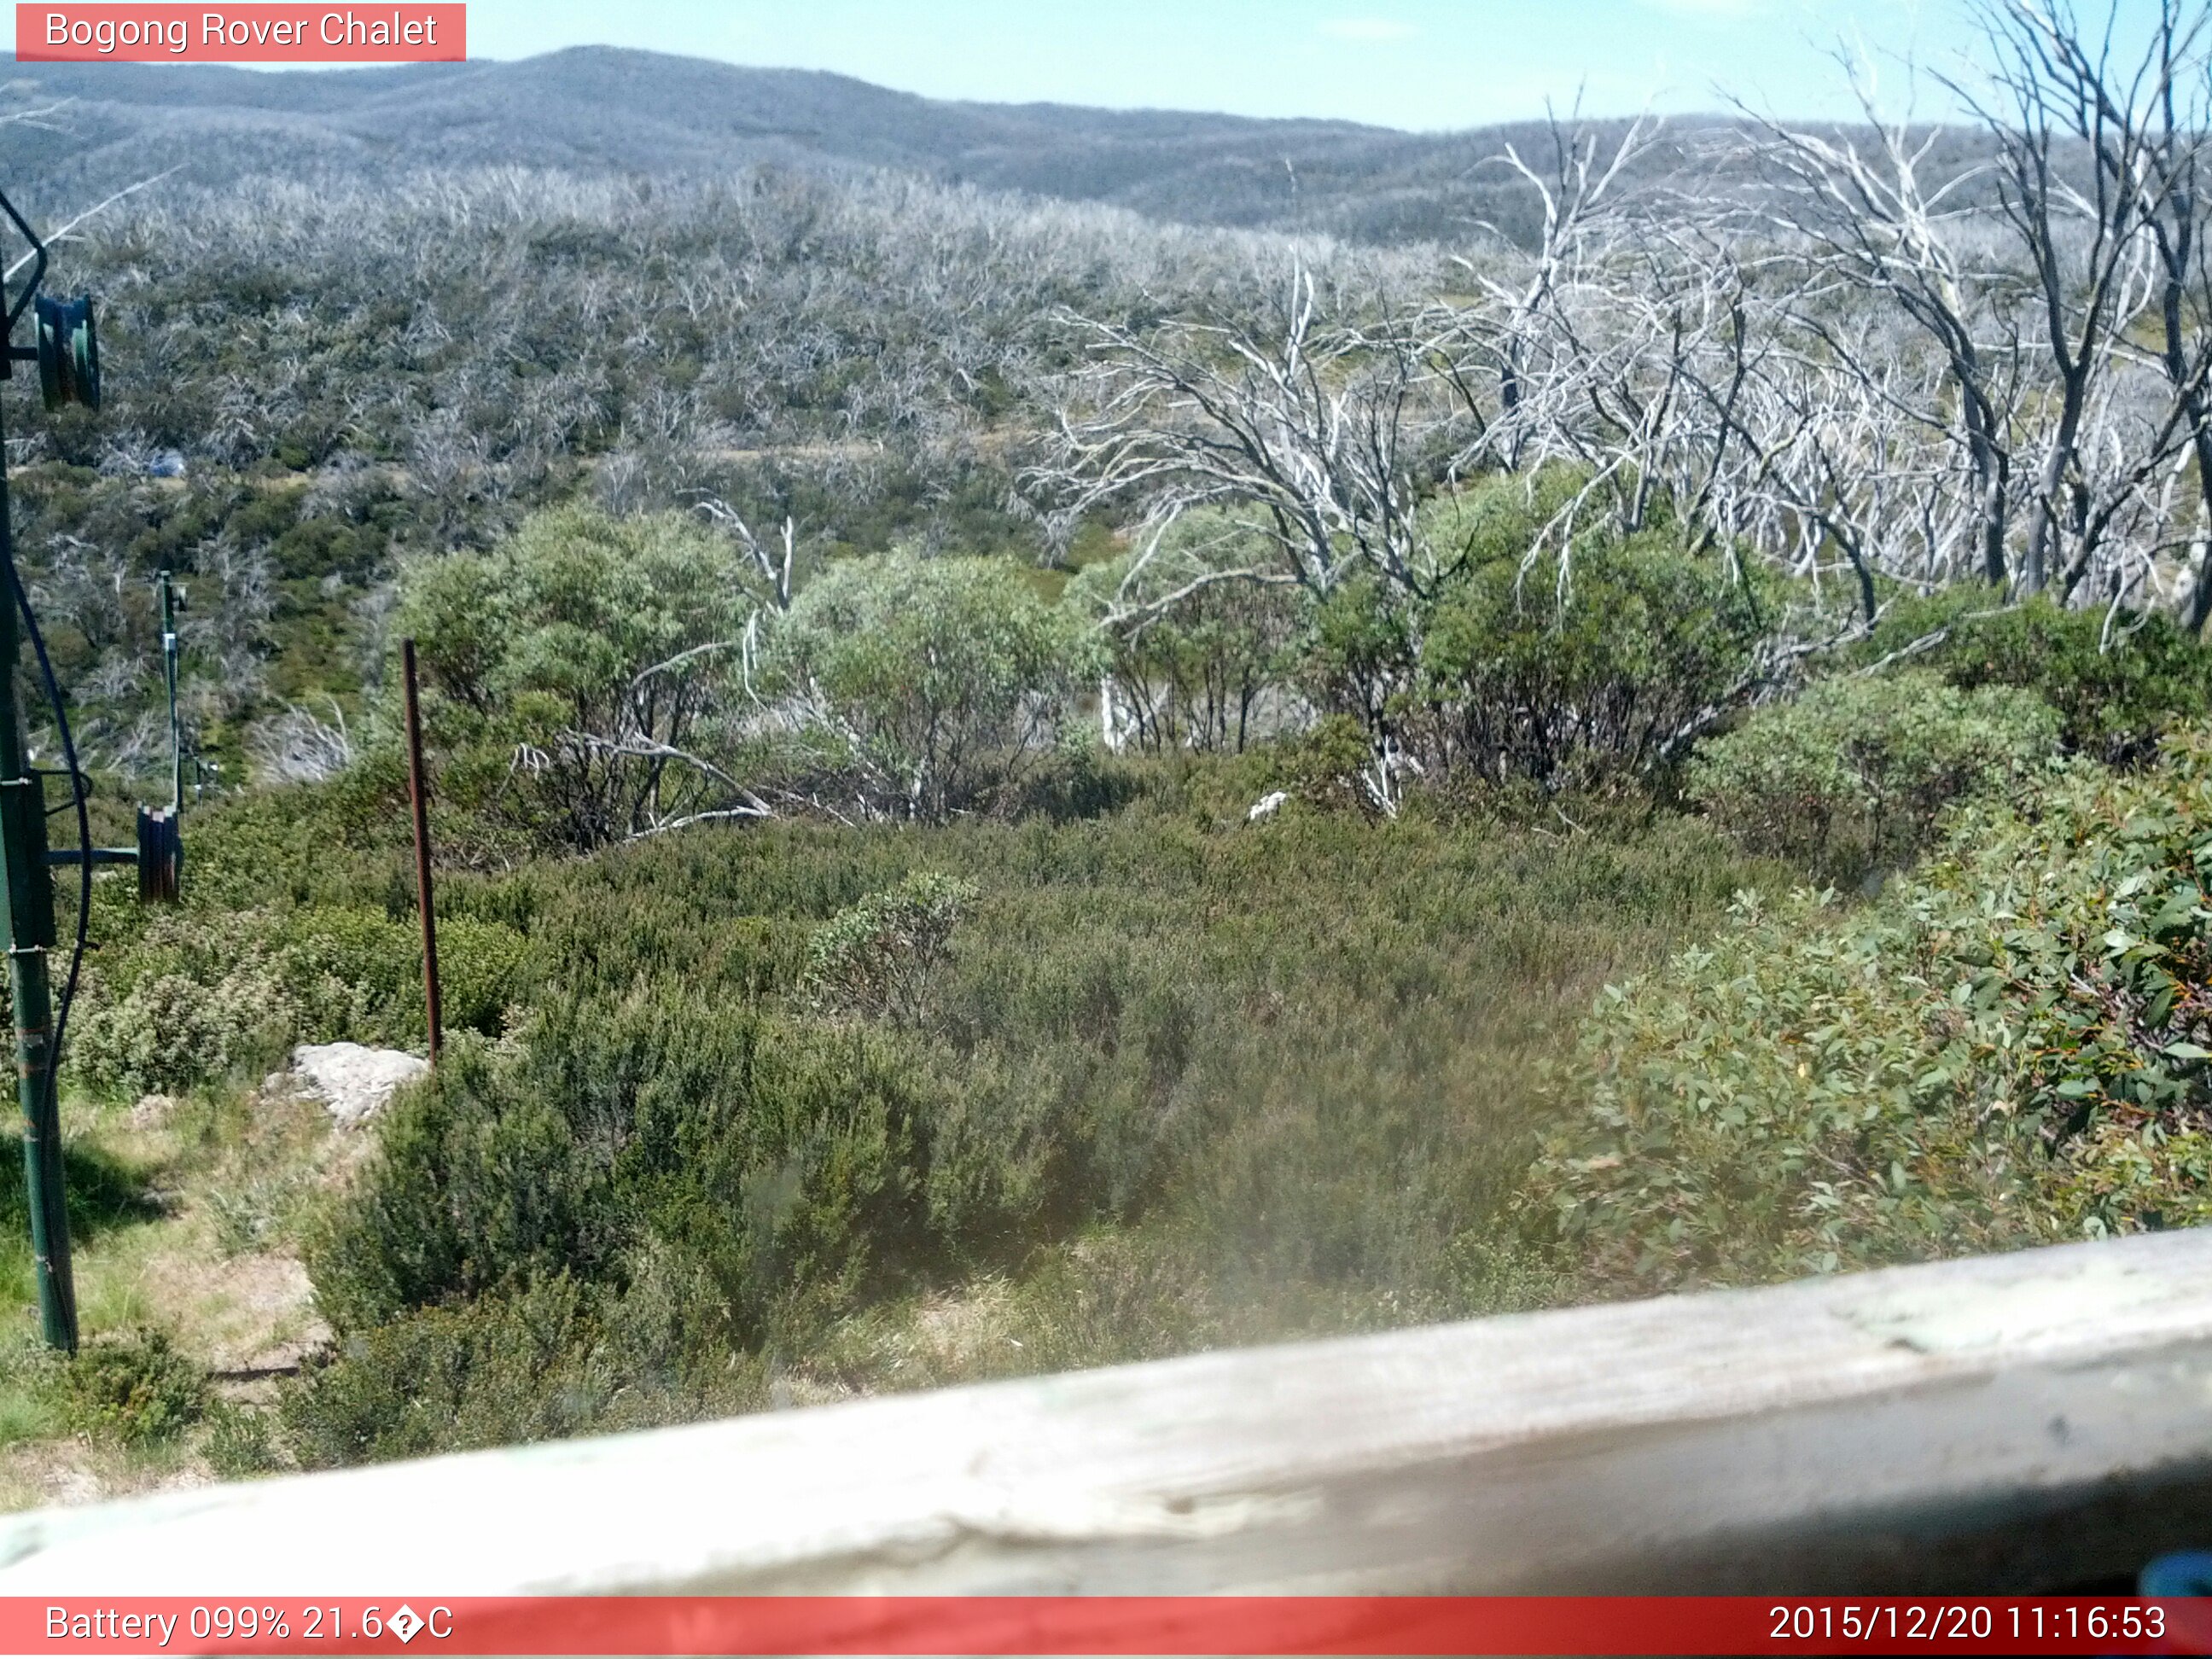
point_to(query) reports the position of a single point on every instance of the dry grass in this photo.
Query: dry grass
(209, 1195)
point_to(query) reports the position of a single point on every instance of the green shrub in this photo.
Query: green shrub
(876, 957)
(1568, 671)
(1325, 762)
(499, 1371)
(137, 1387)
(358, 973)
(351, 972)
(297, 926)
(597, 652)
(1198, 662)
(471, 1188)
(1298, 1049)
(2009, 1048)
(343, 844)
(170, 1032)
(1852, 772)
(552, 1359)
(2115, 680)
(201, 994)
(240, 1442)
(928, 685)
(481, 972)
(789, 1156)
(1357, 651)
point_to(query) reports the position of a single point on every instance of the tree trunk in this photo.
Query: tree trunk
(2035, 567)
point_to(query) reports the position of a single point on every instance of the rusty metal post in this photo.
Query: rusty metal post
(418, 792)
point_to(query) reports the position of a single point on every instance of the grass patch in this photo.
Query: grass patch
(181, 1229)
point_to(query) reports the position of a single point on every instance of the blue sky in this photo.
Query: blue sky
(1419, 64)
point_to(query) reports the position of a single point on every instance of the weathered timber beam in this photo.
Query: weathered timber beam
(2037, 1420)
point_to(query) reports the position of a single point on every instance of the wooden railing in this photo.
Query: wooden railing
(2033, 1421)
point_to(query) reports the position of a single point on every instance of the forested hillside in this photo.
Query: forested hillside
(1020, 783)
(603, 113)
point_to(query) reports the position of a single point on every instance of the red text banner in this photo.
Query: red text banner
(1101, 1625)
(258, 34)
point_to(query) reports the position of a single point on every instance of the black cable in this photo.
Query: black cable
(83, 839)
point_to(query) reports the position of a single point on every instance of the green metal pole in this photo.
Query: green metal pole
(169, 672)
(29, 896)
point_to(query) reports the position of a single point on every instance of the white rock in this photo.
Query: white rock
(1266, 806)
(355, 1082)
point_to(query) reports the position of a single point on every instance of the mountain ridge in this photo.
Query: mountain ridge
(604, 109)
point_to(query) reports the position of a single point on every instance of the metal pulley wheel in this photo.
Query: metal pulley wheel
(160, 856)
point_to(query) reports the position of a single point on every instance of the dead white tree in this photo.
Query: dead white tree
(1316, 432)
(2142, 121)
(1877, 223)
(1846, 470)
(2080, 232)
(299, 747)
(773, 567)
(1514, 338)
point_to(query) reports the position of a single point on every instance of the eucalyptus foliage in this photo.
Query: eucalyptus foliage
(1854, 771)
(582, 665)
(2008, 1048)
(2116, 677)
(876, 956)
(925, 686)
(1201, 636)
